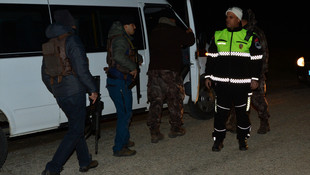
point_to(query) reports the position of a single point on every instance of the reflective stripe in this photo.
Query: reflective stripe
(249, 127)
(241, 105)
(257, 57)
(253, 78)
(223, 107)
(213, 54)
(229, 80)
(237, 54)
(249, 102)
(219, 130)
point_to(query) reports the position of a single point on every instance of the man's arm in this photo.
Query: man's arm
(256, 53)
(78, 59)
(212, 54)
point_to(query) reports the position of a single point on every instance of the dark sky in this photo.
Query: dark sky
(284, 23)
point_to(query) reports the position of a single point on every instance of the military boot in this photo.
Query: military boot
(264, 126)
(156, 135)
(176, 131)
(243, 145)
(218, 145)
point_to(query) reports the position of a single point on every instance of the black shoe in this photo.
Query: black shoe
(93, 164)
(124, 152)
(217, 146)
(47, 172)
(243, 146)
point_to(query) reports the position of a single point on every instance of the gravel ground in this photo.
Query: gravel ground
(284, 150)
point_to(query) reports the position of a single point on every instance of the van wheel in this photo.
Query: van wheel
(204, 108)
(3, 147)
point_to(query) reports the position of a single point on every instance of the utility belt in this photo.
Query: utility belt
(113, 73)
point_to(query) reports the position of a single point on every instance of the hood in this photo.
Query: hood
(116, 29)
(165, 20)
(55, 30)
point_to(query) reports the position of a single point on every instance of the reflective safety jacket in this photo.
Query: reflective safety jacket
(232, 59)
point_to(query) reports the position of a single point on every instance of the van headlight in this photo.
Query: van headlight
(301, 62)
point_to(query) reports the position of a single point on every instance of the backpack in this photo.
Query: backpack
(56, 62)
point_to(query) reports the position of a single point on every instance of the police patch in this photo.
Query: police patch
(257, 44)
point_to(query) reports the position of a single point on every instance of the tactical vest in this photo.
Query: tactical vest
(111, 62)
(56, 62)
(233, 43)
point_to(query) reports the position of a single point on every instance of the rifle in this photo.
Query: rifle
(95, 111)
(136, 81)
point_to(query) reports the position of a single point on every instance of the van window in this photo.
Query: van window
(22, 28)
(93, 24)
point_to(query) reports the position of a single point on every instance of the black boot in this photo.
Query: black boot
(218, 145)
(243, 145)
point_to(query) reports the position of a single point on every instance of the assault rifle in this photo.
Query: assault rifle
(136, 81)
(93, 116)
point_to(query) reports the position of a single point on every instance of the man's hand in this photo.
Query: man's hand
(189, 30)
(94, 96)
(134, 73)
(208, 83)
(254, 84)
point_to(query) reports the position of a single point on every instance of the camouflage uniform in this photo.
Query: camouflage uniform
(165, 86)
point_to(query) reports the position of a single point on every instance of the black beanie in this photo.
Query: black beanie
(64, 17)
(127, 20)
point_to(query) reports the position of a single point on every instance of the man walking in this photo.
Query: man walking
(121, 72)
(165, 82)
(69, 88)
(234, 65)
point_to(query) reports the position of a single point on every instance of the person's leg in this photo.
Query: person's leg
(75, 109)
(155, 98)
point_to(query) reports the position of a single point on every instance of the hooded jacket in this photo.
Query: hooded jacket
(121, 47)
(82, 81)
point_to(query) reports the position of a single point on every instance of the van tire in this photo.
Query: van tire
(204, 107)
(3, 147)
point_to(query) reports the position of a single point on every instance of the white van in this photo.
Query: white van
(26, 106)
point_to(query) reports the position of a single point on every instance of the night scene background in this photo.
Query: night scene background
(284, 24)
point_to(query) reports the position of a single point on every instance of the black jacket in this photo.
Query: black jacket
(166, 42)
(82, 80)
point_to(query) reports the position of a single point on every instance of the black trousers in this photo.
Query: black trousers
(228, 95)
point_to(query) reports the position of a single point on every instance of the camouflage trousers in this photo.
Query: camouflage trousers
(165, 86)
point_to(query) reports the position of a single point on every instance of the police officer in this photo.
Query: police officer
(258, 100)
(234, 66)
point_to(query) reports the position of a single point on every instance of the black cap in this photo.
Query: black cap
(127, 20)
(167, 14)
(64, 17)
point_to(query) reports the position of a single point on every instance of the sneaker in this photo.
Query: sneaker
(176, 131)
(124, 152)
(93, 164)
